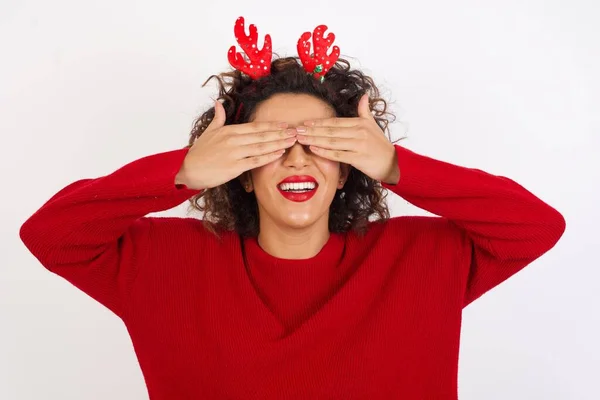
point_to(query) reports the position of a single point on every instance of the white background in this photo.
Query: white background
(511, 87)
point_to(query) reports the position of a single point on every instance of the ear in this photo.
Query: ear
(344, 172)
(246, 181)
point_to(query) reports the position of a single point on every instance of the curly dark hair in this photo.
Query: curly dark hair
(229, 207)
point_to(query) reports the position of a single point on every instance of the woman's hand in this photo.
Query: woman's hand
(358, 141)
(223, 152)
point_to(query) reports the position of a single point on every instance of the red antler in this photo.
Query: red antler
(318, 63)
(260, 60)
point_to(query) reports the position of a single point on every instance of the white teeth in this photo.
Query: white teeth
(297, 186)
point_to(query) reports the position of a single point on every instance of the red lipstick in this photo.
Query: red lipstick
(298, 196)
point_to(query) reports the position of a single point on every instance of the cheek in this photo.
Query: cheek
(262, 177)
(330, 169)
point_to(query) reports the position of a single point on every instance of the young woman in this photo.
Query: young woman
(296, 284)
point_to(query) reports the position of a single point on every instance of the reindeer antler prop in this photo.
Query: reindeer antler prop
(260, 60)
(319, 62)
(316, 63)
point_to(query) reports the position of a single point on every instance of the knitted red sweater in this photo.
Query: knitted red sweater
(373, 317)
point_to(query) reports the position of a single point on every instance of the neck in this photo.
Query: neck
(293, 243)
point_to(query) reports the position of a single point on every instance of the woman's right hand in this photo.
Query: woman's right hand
(223, 152)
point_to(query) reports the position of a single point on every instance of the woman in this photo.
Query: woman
(296, 284)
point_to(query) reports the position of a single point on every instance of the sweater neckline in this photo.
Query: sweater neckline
(329, 255)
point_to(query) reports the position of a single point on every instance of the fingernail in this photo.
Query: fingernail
(301, 128)
(282, 125)
(291, 132)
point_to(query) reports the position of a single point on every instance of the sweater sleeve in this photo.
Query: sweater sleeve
(504, 226)
(94, 232)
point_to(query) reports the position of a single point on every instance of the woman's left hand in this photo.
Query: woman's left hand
(357, 141)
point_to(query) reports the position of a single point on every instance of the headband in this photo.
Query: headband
(259, 64)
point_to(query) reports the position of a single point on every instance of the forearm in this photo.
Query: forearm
(87, 216)
(487, 206)
(505, 226)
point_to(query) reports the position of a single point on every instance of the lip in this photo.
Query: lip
(298, 179)
(298, 197)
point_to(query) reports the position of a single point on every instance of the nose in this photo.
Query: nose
(297, 156)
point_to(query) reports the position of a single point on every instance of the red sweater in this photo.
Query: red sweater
(376, 317)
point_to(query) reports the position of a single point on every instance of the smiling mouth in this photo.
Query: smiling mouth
(300, 187)
(298, 192)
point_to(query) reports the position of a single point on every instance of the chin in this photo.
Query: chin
(298, 221)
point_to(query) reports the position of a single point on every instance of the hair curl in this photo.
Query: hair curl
(229, 207)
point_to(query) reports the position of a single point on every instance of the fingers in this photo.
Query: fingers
(219, 119)
(336, 122)
(249, 163)
(329, 142)
(327, 131)
(342, 156)
(263, 136)
(364, 109)
(252, 127)
(262, 148)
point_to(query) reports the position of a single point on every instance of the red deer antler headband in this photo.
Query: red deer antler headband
(316, 64)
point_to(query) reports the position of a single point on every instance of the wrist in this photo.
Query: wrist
(394, 175)
(182, 178)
